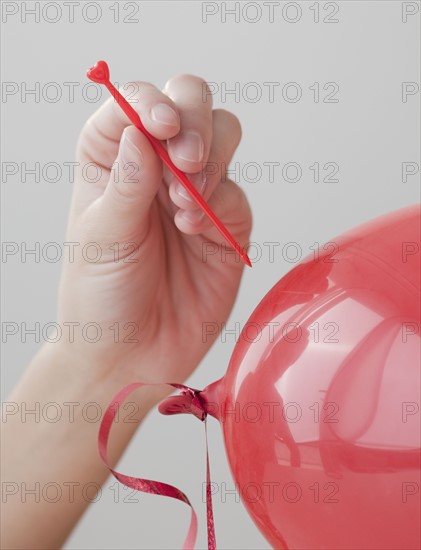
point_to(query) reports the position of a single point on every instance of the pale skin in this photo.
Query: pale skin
(157, 302)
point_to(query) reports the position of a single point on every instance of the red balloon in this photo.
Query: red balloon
(320, 404)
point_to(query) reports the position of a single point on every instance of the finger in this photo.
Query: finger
(226, 137)
(230, 204)
(123, 210)
(101, 134)
(189, 149)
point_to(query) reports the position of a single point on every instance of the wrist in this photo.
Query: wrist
(68, 373)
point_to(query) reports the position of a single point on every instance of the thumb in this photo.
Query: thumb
(133, 184)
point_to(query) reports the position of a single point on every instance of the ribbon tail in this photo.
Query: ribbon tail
(209, 507)
(139, 484)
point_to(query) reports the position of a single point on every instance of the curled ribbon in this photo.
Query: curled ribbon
(188, 402)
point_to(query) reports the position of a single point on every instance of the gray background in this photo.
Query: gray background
(369, 133)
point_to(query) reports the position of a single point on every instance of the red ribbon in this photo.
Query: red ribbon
(188, 402)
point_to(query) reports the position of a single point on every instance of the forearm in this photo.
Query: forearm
(68, 401)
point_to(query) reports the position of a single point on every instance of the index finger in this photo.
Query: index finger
(101, 134)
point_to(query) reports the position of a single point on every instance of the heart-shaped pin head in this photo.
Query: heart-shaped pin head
(99, 73)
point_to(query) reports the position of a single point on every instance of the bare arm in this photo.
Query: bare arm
(50, 463)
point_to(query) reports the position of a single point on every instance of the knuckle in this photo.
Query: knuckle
(194, 82)
(125, 192)
(237, 194)
(184, 78)
(132, 90)
(230, 121)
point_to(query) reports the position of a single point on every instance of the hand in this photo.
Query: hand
(146, 298)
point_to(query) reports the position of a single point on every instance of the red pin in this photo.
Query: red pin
(100, 73)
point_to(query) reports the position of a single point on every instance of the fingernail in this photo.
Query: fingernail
(198, 180)
(164, 114)
(193, 216)
(129, 150)
(183, 192)
(189, 146)
(202, 180)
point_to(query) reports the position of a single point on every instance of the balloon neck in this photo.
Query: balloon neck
(212, 397)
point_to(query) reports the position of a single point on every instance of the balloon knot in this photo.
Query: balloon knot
(187, 402)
